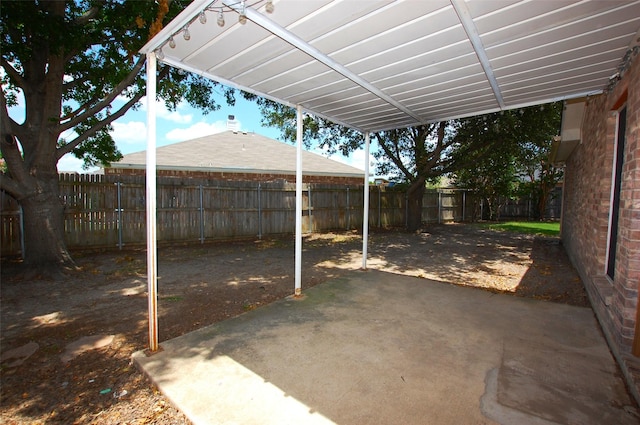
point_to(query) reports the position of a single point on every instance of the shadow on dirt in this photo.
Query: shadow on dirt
(203, 284)
(551, 277)
(505, 262)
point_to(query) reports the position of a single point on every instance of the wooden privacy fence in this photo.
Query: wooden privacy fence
(109, 210)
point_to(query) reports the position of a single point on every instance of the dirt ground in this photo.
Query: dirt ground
(49, 376)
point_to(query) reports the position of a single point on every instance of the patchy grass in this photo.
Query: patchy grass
(533, 227)
(173, 298)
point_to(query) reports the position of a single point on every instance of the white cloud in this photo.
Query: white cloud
(197, 130)
(161, 110)
(70, 164)
(174, 116)
(358, 161)
(355, 159)
(129, 133)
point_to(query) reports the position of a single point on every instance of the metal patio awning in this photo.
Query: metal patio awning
(381, 64)
(375, 65)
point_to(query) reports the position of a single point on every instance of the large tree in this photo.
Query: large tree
(414, 155)
(517, 163)
(67, 63)
(494, 180)
(538, 176)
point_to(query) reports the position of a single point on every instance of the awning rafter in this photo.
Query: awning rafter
(316, 54)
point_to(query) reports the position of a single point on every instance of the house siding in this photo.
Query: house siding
(586, 213)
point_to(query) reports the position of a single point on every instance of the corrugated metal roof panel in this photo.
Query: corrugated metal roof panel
(383, 64)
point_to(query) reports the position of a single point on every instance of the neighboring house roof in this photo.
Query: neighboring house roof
(238, 152)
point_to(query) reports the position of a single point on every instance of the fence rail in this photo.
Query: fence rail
(109, 210)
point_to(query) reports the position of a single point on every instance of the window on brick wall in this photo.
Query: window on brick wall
(615, 196)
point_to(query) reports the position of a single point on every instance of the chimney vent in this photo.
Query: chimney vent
(232, 124)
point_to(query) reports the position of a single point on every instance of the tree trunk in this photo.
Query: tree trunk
(542, 202)
(44, 229)
(489, 208)
(414, 201)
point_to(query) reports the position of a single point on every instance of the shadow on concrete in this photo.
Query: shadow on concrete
(380, 348)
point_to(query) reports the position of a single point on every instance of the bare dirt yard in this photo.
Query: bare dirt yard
(66, 343)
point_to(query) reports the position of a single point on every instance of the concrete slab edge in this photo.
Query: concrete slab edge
(143, 354)
(622, 364)
(492, 409)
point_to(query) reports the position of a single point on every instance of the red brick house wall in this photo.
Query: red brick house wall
(221, 176)
(586, 216)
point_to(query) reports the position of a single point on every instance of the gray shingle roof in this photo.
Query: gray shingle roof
(238, 152)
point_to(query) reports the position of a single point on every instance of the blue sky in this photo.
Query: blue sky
(184, 123)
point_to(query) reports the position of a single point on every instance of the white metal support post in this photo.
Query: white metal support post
(152, 264)
(298, 254)
(365, 214)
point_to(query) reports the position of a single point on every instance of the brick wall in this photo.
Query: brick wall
(586, 210)
(258, 177)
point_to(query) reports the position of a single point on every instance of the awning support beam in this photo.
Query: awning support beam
(365, 214)
(298, 244)
(152, 262)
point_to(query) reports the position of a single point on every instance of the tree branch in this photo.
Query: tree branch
(429, 160)
(65, 149)
(9, 125)
(73, 83)
(394, 159)
(107, 100)
(18, 80)
(10, 186)
(79, 109)
(11, 154)
(87, 16)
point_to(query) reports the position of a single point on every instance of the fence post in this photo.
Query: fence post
(464, 203)
(119, 197)
(201, 208)
(406, 209)
(379, 206)
(439, 206)
(259, 212)
(348, 211)
(21, 219)
(309, 208)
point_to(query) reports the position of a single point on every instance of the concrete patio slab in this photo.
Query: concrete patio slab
(380, 348)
